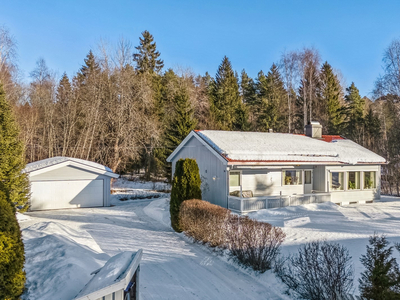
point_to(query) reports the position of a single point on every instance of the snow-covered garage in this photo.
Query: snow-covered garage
(65, 182)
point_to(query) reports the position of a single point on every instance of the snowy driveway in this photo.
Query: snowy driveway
(172, 267)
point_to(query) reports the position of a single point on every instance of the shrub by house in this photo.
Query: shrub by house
(185, 185)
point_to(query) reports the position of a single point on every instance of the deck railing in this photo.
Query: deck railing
(245, 205)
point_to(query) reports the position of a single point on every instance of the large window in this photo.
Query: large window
(234, 179)
(292, 177)
(354, 180)
(369, 180)
(337, 181)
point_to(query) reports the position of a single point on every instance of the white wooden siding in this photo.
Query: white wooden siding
(212, 171)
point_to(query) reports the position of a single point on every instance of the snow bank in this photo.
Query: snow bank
(59, 260)
(22, 217)
(159, 211)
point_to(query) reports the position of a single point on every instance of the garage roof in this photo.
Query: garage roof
(59, 161)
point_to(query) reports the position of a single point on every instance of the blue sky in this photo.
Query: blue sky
(350, 35)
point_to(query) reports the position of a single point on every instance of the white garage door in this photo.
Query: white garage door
(66, 194)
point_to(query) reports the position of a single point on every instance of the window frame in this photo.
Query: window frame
(355, 177)
(299, 171)
(240, 178)
(374, 181)
(343, 185)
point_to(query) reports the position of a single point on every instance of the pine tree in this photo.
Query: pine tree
(14, 192)
(381, 279)
(147, 59)
(271, 99)
(329, 112)
(185, 186)
(225, 102)
(13, 182)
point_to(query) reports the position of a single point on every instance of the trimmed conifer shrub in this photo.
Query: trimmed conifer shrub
(381, 279)
(12, 277)
(185, 185)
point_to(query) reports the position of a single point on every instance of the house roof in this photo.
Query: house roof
(237, 146)
(115, 275)
(58, 161)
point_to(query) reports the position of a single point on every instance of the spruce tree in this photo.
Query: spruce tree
(90, 67)
(183, 122)
(14, 192)
(330, 111)
(225, 101)
(186, 185)
(147, 59)
(249, 97)
(271, 99)
(355, 113)
(381, 279)
(13, 182)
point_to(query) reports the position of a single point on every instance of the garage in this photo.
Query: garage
(63, 182)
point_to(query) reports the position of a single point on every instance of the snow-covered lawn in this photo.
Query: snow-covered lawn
(349, 225)
(64, 246)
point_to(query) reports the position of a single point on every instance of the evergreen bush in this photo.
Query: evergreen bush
(12, 277)
(13, 182)
(185, 185)
(14, 192)
(381, 279)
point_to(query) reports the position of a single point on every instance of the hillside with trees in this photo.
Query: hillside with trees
(122, 108)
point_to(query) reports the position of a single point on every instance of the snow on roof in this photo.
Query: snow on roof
(113, 271)
(37, 165)
(266, 146)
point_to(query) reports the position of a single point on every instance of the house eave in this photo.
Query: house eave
(284, 163)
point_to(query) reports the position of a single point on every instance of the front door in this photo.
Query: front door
(308, 181)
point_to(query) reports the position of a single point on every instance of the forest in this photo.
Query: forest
(123, 109)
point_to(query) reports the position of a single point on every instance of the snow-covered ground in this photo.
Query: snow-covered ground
(64, 246)
(124, 189)
(350, 225)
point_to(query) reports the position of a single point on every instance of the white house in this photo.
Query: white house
(247, 171)
(64, 182)
(118, 279)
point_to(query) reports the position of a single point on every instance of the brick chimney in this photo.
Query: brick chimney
(314, 130)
